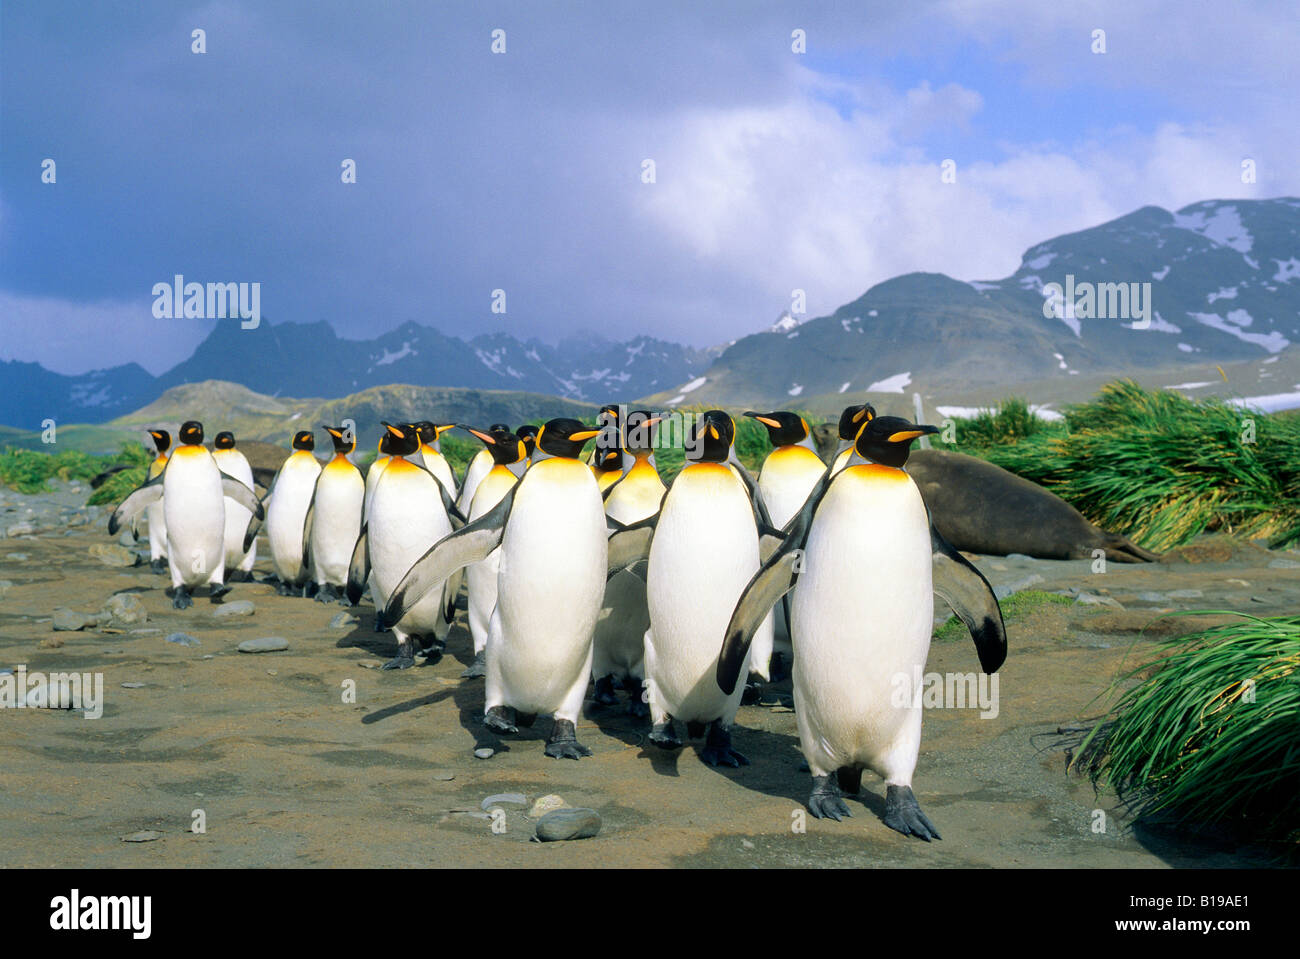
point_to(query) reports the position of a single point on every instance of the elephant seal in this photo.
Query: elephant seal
(982, 508)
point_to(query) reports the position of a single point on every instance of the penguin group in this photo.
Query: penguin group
(591, 569)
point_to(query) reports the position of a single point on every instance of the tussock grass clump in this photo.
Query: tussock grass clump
(1011, 422)
(1013, 607)
(1212, 733)
(1162, 469)
(28, 471)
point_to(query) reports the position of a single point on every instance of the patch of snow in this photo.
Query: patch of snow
(532, 355)
(1064, 365)
(1225, 293)
(393, 357)
(794, 390)
(981, 287)
(872, 312)
(1040, 262)
(1272, 403)
(1223, 227)
(893, 384)
(1189, 386)
(1032, 282)
(1158, 325)
(1186, 348)
(844, 387)
(694, 384)
(676, 399)
(1271, 359)
(1287, 270)
(1273, 341)
(784, 324)
(791, 336)
(1160, 274)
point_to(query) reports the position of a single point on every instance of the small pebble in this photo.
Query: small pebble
(20, 529)
(182, 639)
(1088, 599)
(113, 555)
(546, 804)
(70, 620)
(17, 557)
(126, 608)
(1185, 594)
(343, 621)
(148, 835)
(1283, 564)
(133, 685)
(485, 752)
(240, 607)
(444, 777)
(565, 824)
(518, 799)
(267, 644)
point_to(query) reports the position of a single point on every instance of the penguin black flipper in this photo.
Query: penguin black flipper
(144, 495)
(469, 544)
(769, 541)
(241, 494)
(968, 593)
(359, 567)
(454, 514)
(629, 544)
(307, 522)
(761, 517)
(255, 522)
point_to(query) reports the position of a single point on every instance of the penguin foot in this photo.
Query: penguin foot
(217, 591)
(563, 743)
(694, 729)
(850, 780)
(902, 812)
(526, 720)
(717, 749)
(400, 662)
(605, 691)
(379, 627)
(637, 706)
(501, 720)
(664, 736)
(432, 656)
(476, 669)
(326, 594)
(283, 588)
(825, 801)
(752, 694)
(158, 565)
(181, 598)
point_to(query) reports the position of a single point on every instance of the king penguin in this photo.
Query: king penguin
(239, 561)
(334, 518)
(552, 531)
(408, 515)
(478, 467)
(430, 454)
(509, 456)
(193, 490)
(154, 514)
(851, 420)
(528, 433)
(868, 562)
(703, 548)
(787, 476)
(286, 514)
(374, 471)
(619, 643)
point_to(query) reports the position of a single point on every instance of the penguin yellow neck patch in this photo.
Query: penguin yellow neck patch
(876, 473)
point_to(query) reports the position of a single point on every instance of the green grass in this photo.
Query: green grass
(1212, 733)
(1013, 607)
(1154, 465)
(752, 444)
(28, 471)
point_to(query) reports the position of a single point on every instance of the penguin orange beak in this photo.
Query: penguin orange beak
(395, 431)
(483, 436)
(439, 430)
(903, 436)
(765, 420)
(582, 436)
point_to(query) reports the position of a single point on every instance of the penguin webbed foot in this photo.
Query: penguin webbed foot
(664, 735)
(850, 780)
(501, 720)
(563, 743)
(181, 598)
(826, 801)
(432, 651)
(476, 669)
(400, 662)
(752, 695)
(604, 694)
(283, 588)
(158, 565)
(903, 813)
(636, 704)
(216, 591)
(717, 749)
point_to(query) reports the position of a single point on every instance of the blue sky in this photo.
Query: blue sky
(521, 171)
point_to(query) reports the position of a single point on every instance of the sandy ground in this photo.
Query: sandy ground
(289, 774)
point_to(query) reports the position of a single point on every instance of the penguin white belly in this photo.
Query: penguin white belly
(375, 471)
(403, 525)
(336, 522)
(619, 640)
(194, 510)
(552, 577)
(437, 464)
(482, 576)
(704, 552)
(287, 512)
(862, 617)
(788, 476)
(237, 517)
(156, 519)
(478, 469)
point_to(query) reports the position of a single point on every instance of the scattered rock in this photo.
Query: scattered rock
(1002, 592)
(369, 663)
(240, 607)
(126, 608)
(343, 621)
(183, 639)
(485, 752)
(17, 557)
(147, 835)
(517, 799)
(1284, 564)
(267, 644)
(1150, 597)
(5, 586)
(564, 824)
(545, 805)
(20, 529)
(111, 555)
(1185, 594)
(1018, 556)
(444, 777)
(151, 631)
(133, 685)
(1091, 599)
(70, 620)
(51, 642)
(127, 539)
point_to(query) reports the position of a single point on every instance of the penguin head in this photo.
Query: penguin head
(225, 440)
(385, 448)
(304, 440)
(429, 431)
(609, 452)
(711, 438)
(506, 448)
(191, 433)
(402, 440)
(564, 437)
(853, 417)
(609, 415)
(344, 441)
(161, 440)
(887, 440)
(528, 433)
(783, 428)
(639, 431)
